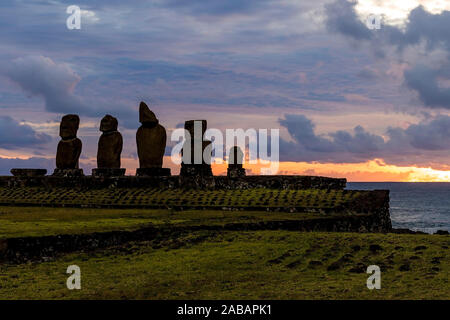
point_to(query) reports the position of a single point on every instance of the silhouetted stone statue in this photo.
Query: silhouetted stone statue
(235, 161)
(151, 143)
(69, 148)
(109, 149)
(110, 144)
(198, 160)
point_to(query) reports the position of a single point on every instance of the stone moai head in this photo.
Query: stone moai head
(108, 124)
(146, 116)
(69, 148)
(110, 144)
(69, 126)
(236, 157)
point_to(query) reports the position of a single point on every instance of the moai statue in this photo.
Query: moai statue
(151, 144)
(69, 148)
(235, 161)
(109, 149)
(196, 151)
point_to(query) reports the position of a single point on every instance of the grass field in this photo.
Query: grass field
(35, 221)
(245, 265)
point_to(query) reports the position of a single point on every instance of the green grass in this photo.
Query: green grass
(35, 221)
(153, 197)
(244, 265)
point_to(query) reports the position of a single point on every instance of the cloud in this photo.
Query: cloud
(190, 57)
(40, 76)
(431, 135)
(14, 135)
(424, 81)
(421, 25)
(301, 130)
(335, 147)
(368, 73)
(216, 7)
(418, 143)
(342, 18)
(421, 28)
(90, 16)
(56, 83)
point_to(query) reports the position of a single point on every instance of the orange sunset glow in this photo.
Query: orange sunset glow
(371, 171)
(374, 171)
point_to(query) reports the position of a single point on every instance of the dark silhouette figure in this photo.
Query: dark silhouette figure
(235, 161)
(110, 144)
(69, 148)
(197, 162)
(151, 143)
(150, 139)
(236, 157)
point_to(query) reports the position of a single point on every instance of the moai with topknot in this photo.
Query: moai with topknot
(151, 141)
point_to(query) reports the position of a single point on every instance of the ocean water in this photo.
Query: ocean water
(416, 206)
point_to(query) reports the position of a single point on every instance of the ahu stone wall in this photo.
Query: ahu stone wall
(190, 182)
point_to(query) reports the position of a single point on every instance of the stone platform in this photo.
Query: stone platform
(108, 172)
(65, 173)
(152, 172)
(193, 182)
(28, 172)
(193, 170)
(235, 172)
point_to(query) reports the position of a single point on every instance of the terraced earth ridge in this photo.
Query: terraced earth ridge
(249, 199)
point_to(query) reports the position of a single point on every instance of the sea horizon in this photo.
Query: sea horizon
(419, 206)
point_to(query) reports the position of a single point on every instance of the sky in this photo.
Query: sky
(349, 101)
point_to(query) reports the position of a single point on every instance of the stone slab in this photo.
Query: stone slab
(28, 172)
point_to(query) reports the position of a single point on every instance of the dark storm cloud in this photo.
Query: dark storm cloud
(421, 27)
(432, 135)
(424, 80)
(360, 145)
(342, 18)
(301, 130)
(335, 147)
(14, 135)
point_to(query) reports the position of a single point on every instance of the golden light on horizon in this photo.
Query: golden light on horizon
(371, 171)
(375, 170)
